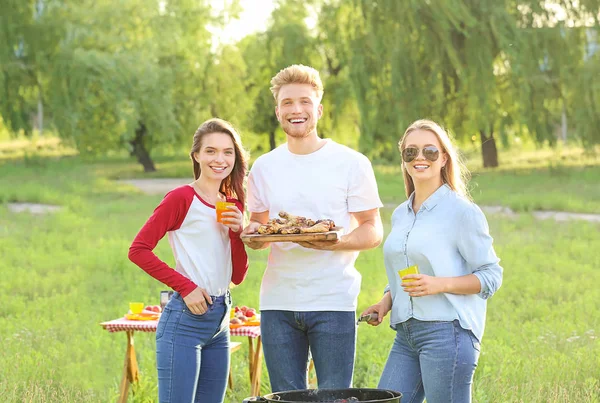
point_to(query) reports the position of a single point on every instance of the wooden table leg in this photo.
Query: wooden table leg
(250, 358)
(230, 381)
(130, 369)
(312, 380)
(256, 368)
(233, 347)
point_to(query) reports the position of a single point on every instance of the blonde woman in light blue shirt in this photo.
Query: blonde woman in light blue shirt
(439, 313)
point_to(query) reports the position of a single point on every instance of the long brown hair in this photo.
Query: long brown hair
(233, 185)
(454, 173)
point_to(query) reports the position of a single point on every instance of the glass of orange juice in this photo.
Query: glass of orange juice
(221, 207)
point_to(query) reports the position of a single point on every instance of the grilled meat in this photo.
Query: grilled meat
(292, 224)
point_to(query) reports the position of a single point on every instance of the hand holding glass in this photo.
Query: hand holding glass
(221, 207)
(409, 270)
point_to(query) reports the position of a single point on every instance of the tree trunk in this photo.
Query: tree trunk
(563, 123)
(272, 139)
(489, 152)
(40, 115)
(139, 150)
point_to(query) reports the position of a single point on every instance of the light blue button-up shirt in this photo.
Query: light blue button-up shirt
(447, 237)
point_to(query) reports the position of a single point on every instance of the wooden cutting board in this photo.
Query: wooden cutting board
(332, 235)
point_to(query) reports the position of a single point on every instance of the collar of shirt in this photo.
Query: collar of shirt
(431, 201)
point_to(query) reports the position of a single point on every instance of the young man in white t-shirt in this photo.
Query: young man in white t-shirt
(309, 290)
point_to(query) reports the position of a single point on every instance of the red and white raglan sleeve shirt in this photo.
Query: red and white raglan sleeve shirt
(207, 253)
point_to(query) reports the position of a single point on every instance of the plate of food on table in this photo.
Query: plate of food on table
(292, 228)
(150, 312)
(243, 316)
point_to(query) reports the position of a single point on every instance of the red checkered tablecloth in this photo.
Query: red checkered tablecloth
(123, 325)
(250, 331)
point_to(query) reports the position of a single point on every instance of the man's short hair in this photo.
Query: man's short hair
(297, 74)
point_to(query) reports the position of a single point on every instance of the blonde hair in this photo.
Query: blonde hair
(233, 185)
(454, 173)
(297, 74)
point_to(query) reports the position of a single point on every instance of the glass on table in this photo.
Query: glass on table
(136, 307)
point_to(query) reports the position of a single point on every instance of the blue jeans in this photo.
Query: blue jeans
(433, 360)
(192, 352)
(287, 337)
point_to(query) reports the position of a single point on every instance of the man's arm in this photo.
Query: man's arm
(368, 234)
(256, 220)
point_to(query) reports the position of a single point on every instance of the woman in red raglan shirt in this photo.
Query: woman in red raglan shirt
(192, 338)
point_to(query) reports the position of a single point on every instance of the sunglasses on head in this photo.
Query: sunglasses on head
(429, 152)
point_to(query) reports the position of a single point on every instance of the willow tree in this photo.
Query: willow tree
(29, 36)
(129, 74)
(353, 49)
(557, 79)
(413, 59)
(225, 90)
(480, 67)
(585, 96)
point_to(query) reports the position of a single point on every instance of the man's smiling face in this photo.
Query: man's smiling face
(298, 109)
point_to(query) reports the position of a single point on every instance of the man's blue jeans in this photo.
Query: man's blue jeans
(433, 360)
(287, 337)
(192, 352)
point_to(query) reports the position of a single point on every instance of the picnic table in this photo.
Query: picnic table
(131, 370)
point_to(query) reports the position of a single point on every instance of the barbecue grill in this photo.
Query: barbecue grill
(350, 395)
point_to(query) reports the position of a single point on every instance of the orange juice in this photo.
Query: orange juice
(222, 207)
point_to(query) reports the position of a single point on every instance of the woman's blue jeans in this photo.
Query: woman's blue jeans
(192, 352)
(287, 337)
(433, 360)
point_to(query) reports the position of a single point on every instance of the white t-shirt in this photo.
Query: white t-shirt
(330, 183)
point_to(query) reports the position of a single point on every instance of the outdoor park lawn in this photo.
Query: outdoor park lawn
(63, 273)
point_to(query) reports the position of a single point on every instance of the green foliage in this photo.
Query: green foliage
(28, 43)
(491, 67)
(110, 79)
(286, 41)
(101, 71)
(584, 96)
(437, 63)
(111, 94)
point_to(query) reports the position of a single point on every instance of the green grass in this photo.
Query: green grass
(64, 273)
(564, 188)
(560, 179)
(547, 179)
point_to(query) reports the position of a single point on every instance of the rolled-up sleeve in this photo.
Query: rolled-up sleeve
(476, 246)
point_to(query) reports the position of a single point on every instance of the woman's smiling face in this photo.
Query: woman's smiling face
(421, 168)
(216, 156)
